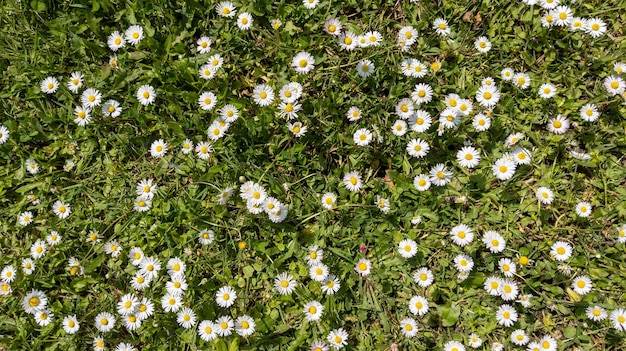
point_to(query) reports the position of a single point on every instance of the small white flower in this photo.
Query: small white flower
(146, 95)
(134, 34)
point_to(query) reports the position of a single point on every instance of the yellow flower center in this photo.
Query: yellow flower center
(332, 28)
(409, 327)
(482, 44)
(595, 26)
(140, 280)
(596, 312)
(50, 85)
(263, 95)
(141, 203)
(417, 148)
(507, 289)
(224, 325)
(487, 95)
(245, 325)
(146, 94)
(62, 209)
(127, 304)
(338, 339)
(407, 248)
(302, 63)
(506, 315)
(614, 84)
(289, 108)
(442, 26)
(557, 124)
(75, 81)
(135, 35)
(362, 266)
(226, 10)
(523, 260)
(421, 93)
(208, 330)
(319, 271)
(33, 302)
(583, 209)
(111, 108)
(177, 285)
(545, 345)
(204, 149)
(521, 80)
(329, 201)
(104, 321)
(419, 305)
(506, 268)
(171, 301)
(312, 310)
(621, 319)
(560, 251)
(284, 283)
(39, 249)
(503, 169)
(494, 285)
(113, 248)
(461, 235)
(244, 21)
(581, 284)
(353, 180)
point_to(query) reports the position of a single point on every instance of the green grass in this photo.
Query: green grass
(51, 38)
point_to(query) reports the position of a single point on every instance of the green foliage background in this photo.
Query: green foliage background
(42, 38)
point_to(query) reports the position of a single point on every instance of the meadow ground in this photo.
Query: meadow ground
(313, 175)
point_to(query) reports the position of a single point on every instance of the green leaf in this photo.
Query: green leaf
(450, 314)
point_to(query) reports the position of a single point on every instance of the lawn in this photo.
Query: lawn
(313, 175)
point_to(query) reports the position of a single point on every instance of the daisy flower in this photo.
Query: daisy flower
(441, 27)
(28, 266)
(507, 74)
(440, 175)
(493, 285)
(224, 326)
(519, 337)
(453, 346)
(8, 274)
(225, 9)
(244, 325)
(596, 313)
(589, 113)
(408, 35)
(399, 128)
(488, 96)
(423, 277)
(383, 204)
(621, 234)
(506, 315)
(105, 322)
(595, 27)
(558, 125)
(352, 181)
(310, 4)
(134, 34)
(313, 311)
(111, 108)
(318, 272)
(328, 200)
(91, 98)
(577, 24)
(204, 45)
(127, 305)
(303, 62)
(43, 317)
(463, 263)
(582, 285)
(337, 338)
(563, 16)
(405, 108)
(285, 284)
(507, 267)
(418, 305)
(298, 129)
(263, 95)
(418, 148)
(204, 150)
(468, 157)
(474, 341)
(207, 330)
(614, 85)
(420, 121)
(5, 289)
(331, 285)
(83, 115)
(113, 248)
(158, 148)
(142, 203)
(422, 94)
(314, 255)
(348, 41)
(374, 38)
(207, 71)
(61, 210)
(449, 118)
(75, 82)
(504, 168)
(363, 267)
(494, 241)
(171, 303)
(34, 301)
(462, 235)
(561, 251)
(25, 218)
(407, 248)
(583, 209)
(547, 91)
(206, 236)
(4, 134)
(31, 166)
(618, 319)
(354, 114)
(318, 346)
(521, 156)
(333, 26)
(362, 137)
(207, 101)
(116, 41)
(225, 296)
(482, 44)
(365, 68)
(509, 290)
(146, 95)
(49, 85)
(244, 21)
(521, 80)
(409, 327)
